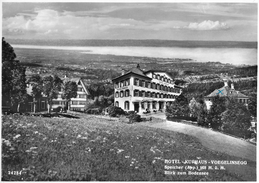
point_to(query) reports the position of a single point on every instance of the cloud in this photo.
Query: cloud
(207, 25)
(56, 24)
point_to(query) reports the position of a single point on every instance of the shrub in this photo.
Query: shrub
(134, 118)
(114, 111)
(94, 111)
(130, 113)
(237, 120)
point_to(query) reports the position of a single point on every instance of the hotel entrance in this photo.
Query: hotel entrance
(136, 106)
(161, 105)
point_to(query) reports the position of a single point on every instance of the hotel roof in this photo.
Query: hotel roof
(135, 70)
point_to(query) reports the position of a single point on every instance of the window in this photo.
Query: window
(126, 105)
(81, 96)
(154, 95)
(117, 95)
(74, 102)
(136, 93)
(143, 93)
(127, 82)
(142, 105)
(162, 78)
(140, 94)
(42, 104)
(158, 77)
(149, 85)
(80, 89)
(143, 83)
(126, 93)
(121, 94)
(116, 85)
(157, 95)
(148, 105)
(117, 104)
(146, 84)
(157, 86)
(154, 85)
(136, 81)
(154, 105)
(140, 83)
(121, 84)
(161, 95)
(81, 103)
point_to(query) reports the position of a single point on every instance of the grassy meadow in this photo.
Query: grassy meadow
(94, 149)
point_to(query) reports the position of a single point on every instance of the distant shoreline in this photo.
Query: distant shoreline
(236, 56)
(135, 43)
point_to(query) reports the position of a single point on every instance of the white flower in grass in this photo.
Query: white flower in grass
(119, 151)
(78, 136)
(84, 138)
(17, 136)
(88, 149)
(153, 161)
(32, 148)
(7, 142)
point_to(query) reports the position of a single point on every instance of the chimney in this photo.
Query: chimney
(232, 86)
(122, 72)
(225, 82)
(138, 66)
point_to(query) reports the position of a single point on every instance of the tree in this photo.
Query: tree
(202, 115)
(18, 91)
(236, 119)
(69, 91)
(194, 107)
(51, 87)
(179, 107)
(252, 105)
(13, 78)
(37, 87)
(214, 116)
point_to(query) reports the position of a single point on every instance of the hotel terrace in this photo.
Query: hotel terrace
(141, 91)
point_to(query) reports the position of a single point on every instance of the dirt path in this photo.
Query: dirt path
(218, 142)
(213, 140)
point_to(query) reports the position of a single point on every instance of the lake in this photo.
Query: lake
(236, 56)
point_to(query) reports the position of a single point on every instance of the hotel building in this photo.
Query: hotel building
(141, 91)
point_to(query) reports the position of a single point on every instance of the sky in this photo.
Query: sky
(167, 21)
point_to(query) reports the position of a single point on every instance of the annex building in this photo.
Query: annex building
(144, 91)
(228, 92)
(75, 104)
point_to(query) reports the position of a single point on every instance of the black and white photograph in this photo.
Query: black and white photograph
(129, 91)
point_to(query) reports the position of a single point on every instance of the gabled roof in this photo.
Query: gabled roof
(226, 91)
(158, 71)
(136, 71)
(76, 80)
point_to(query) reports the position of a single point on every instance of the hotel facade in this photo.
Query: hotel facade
(142, 91)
